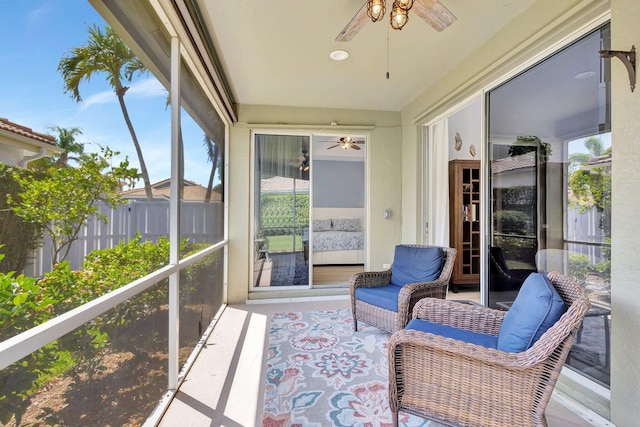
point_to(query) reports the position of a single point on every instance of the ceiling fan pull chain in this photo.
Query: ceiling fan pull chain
(387, 53)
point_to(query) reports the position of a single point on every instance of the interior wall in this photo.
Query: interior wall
(467, 123)
(383, 164)
(338, 184)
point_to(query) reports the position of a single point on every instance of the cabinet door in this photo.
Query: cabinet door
(465, 220)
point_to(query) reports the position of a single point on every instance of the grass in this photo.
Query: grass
(283, 243)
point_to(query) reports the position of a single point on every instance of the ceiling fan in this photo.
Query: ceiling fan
(346, 143)
(431, 11)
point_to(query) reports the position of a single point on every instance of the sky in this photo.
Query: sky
(34, 36)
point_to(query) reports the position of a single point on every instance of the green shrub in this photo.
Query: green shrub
(579, 267)
(18, 236)
(511, 221)
(276, 213)
(26, 302)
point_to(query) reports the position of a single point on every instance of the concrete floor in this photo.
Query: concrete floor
(225, 385)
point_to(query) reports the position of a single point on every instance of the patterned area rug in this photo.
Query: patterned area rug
(320, 373)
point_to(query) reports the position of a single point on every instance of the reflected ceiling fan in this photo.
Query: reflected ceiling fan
(346, 143)
(431, 11)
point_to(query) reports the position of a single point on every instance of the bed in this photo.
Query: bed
(338, 236)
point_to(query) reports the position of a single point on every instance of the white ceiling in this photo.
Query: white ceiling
(276, 52)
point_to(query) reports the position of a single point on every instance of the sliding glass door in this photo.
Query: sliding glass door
(281, 210)
(549, 186)
(309, 225)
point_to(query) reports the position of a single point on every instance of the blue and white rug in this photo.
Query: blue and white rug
(321, 373)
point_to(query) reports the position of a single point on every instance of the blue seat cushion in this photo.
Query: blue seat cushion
(536, 308)
(484, 340)
(380, 296)
(413, 264)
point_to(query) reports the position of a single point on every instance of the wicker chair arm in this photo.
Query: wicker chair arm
(568, 324)
(412, 293)
(420, 290)
(474, 318)
(427, 343)
(370, 279)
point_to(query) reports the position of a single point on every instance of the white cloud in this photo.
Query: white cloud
(147, 88)
(105, 97)
(36, 17)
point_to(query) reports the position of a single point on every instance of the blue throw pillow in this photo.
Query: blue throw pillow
(416, 264)
(536, 308)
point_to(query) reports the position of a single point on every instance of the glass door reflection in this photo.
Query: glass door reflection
(281, 210)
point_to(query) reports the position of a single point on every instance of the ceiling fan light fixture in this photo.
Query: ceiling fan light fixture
(375, 9)
(399, 16)
(404, 4)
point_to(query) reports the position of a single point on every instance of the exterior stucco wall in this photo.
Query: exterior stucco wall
(625, 268)
(10, 155)
(384, 164)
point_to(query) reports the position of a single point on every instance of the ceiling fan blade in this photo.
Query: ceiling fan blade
(358, 142)
(433, 13)
(356, 23)
(333, 146)
(355, 147)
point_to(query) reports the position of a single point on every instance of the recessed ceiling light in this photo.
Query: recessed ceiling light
(339, 55)
(584, 75)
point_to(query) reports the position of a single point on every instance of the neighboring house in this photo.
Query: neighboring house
(161, 190)
(19, 144)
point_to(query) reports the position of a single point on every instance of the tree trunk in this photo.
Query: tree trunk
(143, 167)
(214, 160)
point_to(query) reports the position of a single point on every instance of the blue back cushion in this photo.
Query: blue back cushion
(416, 264)
(484, 340)
(380, 296)
(536, 308)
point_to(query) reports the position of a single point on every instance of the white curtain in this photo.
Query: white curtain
(437, 174)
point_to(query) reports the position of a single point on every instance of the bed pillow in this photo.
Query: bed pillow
(321, 225)
(347, 224)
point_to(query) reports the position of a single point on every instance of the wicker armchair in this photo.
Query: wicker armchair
(389, 320)
(458, 383)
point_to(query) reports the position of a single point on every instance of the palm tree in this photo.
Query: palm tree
(577, 160)
(105, 52)
(67, 141)
(213, 154)
(591, 186)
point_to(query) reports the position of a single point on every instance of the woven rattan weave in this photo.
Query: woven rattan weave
(457, 383)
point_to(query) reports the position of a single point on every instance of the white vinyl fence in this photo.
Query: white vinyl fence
(199, 222)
